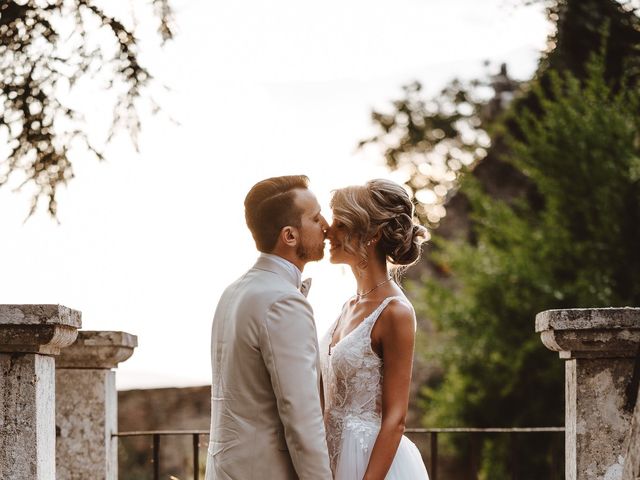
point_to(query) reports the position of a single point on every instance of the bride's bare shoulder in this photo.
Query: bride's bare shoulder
(397, 317)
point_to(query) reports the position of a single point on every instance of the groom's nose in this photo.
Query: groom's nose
(325, 225)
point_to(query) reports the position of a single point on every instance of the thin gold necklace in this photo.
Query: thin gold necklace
(359, 295)
(362, 295)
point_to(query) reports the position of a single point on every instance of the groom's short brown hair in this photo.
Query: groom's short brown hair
(269, 207)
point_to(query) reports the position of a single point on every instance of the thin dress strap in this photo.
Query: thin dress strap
(373, 318)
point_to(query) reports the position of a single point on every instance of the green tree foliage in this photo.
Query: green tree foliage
(433, 140)
(565, 236)
(46, 48)
(579, 249)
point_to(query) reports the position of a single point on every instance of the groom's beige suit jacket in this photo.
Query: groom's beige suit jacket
(266, 418)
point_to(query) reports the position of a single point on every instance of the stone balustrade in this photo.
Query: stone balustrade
(54, 377)
(58, 399)
(599, 347)
(86, 405)
(30, 337)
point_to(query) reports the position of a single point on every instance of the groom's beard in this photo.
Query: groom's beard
(309, 253)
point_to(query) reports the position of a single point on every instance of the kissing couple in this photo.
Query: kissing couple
(284, 407)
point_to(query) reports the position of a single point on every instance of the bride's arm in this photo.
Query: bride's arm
(395, 330)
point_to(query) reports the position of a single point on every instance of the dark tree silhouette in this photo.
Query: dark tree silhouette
(46, 47)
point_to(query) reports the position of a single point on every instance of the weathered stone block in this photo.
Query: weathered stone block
(632, 446)
(27, 429)
(95, 349)
(599, 346)
(29, 334)
(591, 332)
(85, 447)
(37, 328)
(86, 405)
(596, 422)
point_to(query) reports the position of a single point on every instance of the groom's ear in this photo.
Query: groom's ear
(289, 236)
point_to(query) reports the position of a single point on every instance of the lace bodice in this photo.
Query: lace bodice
(352, 380)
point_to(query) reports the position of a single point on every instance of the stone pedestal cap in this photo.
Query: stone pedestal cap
(591, 332)
(95, 349)
(41, 329)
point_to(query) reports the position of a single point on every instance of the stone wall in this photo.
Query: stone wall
(161, 409)
(173, 409)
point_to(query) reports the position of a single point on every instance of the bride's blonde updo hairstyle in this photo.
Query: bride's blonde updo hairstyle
(379, 206)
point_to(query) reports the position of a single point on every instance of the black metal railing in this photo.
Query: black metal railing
(156, 434)
(474, 447)
(431, 432)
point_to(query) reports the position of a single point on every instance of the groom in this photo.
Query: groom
(266, 418)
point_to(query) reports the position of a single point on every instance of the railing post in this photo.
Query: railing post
(30, 335)
(86, 405)
(513, 457)
(433, 474)
(552, 474)
(196, 456)
(599, 346)
(156, 457)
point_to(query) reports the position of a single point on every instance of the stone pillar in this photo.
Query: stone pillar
(632, 457)
(86, 405)
(30, 335)
(599, 347)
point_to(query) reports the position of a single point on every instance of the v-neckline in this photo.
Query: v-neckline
(333, 346)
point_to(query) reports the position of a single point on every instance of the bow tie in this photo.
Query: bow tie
(305, 287)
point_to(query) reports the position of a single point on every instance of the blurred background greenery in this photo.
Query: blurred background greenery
(541, 185)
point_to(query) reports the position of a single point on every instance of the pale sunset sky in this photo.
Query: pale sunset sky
(147, 241)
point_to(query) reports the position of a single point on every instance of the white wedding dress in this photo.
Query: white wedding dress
(352, 380)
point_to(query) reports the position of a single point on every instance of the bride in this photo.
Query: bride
(367, 353)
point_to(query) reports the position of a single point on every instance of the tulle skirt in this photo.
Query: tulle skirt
(357, 443)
